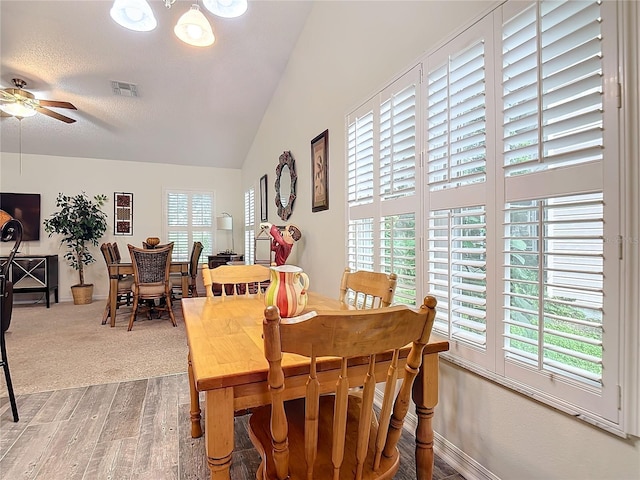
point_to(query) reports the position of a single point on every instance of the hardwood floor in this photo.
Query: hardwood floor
(131, 430)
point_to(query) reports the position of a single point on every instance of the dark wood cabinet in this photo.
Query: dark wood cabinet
(34, 273)
(224, 258)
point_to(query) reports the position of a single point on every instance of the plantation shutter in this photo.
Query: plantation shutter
(381, 186)
(553, 110)
(554, 327)
(458, 96)
(249, 225)
(189, 218)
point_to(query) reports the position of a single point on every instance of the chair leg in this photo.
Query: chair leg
(107, 310)
(7, 376)
(170, 307)
(133, 312)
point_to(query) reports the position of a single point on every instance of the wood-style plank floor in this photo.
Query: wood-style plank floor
(131, 430)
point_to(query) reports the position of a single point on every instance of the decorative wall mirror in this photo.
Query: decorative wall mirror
(286, 178)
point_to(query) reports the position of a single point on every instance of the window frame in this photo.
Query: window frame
(208, 249)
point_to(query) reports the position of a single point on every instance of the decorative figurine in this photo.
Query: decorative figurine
(282, 242)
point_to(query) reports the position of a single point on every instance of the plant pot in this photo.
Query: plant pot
(82, 294)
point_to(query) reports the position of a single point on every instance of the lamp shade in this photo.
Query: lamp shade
(194, 29)
(18, 109)
(224, 223)
(226, 8)
(134, 15)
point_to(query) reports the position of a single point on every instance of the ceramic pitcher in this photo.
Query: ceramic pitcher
(287, 290)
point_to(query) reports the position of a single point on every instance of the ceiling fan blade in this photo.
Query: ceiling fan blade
(56, 115)
(54, 103)
(6, 96)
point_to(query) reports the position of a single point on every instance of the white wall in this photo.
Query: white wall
(48, 176)
(346, 52)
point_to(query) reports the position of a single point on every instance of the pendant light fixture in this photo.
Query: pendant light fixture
(194, 29)
(133, 14)
(226, 8)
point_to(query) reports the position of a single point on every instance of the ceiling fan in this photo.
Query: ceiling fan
(19, 103)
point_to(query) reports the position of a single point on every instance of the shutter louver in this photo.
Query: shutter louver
(360, 244)
(398, 144)
(554, 272)
(249, 225)
(398, 255)
(189, 219)
(456, 115)
(360, 161)
(457, 273)
(553, 112)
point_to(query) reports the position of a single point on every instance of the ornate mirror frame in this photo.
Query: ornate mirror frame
(286, 159)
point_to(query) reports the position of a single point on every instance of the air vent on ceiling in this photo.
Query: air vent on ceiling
(124, 89)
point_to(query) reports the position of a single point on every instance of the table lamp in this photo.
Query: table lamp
(225, 222)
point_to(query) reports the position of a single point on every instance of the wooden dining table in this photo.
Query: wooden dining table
(226, 361)
(116, 270)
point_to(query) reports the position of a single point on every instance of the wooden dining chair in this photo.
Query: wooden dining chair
(124, 292)
(364, 289)
(151, 280)
(194, 260)
(236, 279)
(335, 435)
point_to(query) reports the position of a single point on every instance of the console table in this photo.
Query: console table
(34, 273)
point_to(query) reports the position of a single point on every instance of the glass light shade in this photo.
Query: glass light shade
(224, 223)
(133, 14)
(194, 29)
(226, 8)
(18, 109)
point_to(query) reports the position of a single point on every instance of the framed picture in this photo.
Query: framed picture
(264, 215)
(123, 213)
(320, 172)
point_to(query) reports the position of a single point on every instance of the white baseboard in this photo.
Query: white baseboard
(463, 463)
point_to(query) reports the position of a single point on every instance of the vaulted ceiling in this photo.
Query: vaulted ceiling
(196, 106)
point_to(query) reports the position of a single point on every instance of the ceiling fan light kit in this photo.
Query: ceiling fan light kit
(133, 14)
(19, 103)
(192, 28)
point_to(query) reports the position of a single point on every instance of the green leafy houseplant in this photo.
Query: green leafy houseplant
(81, 223)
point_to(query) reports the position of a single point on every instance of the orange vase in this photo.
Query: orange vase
(287, 290)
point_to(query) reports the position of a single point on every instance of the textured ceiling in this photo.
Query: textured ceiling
(196, 106)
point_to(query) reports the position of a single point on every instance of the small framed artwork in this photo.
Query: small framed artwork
(264, 214)
(320, 172)
(123, 213)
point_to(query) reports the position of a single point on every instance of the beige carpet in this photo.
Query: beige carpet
(66, 346)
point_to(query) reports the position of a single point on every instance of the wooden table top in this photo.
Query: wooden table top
(225, 339)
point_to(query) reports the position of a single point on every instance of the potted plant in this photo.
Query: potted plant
(81, 224)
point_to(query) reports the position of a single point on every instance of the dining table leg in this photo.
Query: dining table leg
(218, 431)
(425, 396)
(196, 428)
